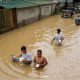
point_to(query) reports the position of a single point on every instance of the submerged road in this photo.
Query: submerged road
(64, 61)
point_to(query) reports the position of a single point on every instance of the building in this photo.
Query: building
(16, 13)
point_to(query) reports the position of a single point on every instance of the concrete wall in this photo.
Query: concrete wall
(18, 17)
(27, 15)
(45, 10)
(53, 8)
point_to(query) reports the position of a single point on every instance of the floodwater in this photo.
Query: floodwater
(63, 62)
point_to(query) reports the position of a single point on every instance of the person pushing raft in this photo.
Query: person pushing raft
(58, 37)
(24, 57)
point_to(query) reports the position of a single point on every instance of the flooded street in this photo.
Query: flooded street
(63, 62)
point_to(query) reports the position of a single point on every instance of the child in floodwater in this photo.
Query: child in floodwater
(40, 60)
(58, 37)
(24, 57)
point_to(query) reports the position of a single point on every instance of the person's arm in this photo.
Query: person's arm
(45, 61)
(62, 38)
(52, 40)
(34, 60)
(26, 61)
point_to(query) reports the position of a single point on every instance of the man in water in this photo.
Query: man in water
(40, 60)
(25, 56)
(58, 37)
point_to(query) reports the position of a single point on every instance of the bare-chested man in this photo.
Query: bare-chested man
(40, 60)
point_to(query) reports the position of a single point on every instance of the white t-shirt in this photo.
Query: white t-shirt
(58, 38)
(26, 56)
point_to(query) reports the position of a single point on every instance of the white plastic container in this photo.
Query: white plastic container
(21, 59)
(37, 65)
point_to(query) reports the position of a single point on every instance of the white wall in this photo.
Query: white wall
(46, 10)
(26, 14)
(53, 7)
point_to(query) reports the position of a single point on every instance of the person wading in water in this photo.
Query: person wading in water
(39, 60)
(58, 37)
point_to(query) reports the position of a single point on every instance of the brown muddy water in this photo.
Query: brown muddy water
(63, 62)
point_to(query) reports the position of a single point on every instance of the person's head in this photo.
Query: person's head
(58, 31)
(39, 53)
(23, 49)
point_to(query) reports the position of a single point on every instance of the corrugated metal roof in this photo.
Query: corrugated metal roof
(23, 3)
